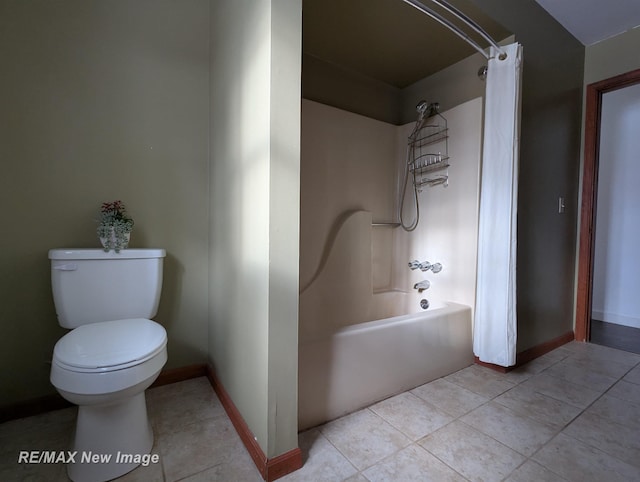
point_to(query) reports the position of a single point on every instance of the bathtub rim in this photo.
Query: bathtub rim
(444, 307)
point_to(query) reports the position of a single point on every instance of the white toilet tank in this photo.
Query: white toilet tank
(90, 285)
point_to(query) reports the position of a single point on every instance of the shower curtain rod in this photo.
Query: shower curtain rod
(454, 28)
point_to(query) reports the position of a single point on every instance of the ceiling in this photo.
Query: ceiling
(591, 21)
(394, 43)
(386, 40)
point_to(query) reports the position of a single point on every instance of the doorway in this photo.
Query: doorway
(601, 257)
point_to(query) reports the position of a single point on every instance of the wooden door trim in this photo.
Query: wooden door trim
(589, 195)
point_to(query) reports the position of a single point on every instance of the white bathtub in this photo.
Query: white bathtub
(364, 363)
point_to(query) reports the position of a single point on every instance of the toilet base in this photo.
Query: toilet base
(108, 438)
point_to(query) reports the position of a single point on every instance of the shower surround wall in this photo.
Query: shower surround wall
(351, 168)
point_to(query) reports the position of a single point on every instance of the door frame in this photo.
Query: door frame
(593, 110)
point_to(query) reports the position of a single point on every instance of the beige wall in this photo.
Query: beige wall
(100, 101)
(611, 57)
(254, 178)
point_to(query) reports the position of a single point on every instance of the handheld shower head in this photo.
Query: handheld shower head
(425, 109)
(422, 108)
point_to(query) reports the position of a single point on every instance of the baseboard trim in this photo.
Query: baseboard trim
(531, 353)
(36, 406)
(181, 374)
(497, 368)
(615, 318)
(270, 469)
(544, 348)
(49, 403)
(283, 464)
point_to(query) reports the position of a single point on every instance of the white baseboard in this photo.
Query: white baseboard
(609, 317)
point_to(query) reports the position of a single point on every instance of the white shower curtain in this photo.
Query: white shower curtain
(495, 331)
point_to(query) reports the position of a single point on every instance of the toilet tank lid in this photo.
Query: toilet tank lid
(93, 253)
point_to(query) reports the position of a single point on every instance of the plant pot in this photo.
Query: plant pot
(115, 242)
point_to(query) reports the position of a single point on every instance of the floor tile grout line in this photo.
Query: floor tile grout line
(585, 358)
(582, 412)
(191, 475)
(396, 451)
(532, 460)
(476, 430)
(573, 383)
(629, 371)
(609, 420)
(333, 445)
(600, 450)
(458, 386)
(514, 470)
(597, 399)
(590, 361)
(411, 442)
(531, 457)
(438, 458)
(164, 475)
(552, 427)
(429, 405)
(539, 422)
(481, 394)
(502, 443)
(637, 404)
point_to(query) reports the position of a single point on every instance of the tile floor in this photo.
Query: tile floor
(573, 414)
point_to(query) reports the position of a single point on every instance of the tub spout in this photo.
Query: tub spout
(422, 286)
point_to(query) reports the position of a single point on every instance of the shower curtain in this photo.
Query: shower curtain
(495, 331)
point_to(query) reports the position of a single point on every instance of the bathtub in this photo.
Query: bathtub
(364, 363)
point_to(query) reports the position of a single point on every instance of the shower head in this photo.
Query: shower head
(425, 109)
(421, 108)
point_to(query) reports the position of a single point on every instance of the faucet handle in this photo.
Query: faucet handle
(415, 264)
(436, 268)
(425, 266)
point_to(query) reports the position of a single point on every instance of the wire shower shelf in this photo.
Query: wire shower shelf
(429, 148)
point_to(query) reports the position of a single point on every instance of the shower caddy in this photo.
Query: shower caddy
(429, 150)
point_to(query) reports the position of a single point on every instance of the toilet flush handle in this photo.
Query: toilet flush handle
(66, 267)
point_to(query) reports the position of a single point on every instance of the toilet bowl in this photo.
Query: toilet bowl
(107, 360)
(104, 368)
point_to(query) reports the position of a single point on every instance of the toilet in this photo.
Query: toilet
(112, 354)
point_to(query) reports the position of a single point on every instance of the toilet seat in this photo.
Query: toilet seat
(109, 345)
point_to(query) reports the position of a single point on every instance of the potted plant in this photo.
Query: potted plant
(115, 226)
